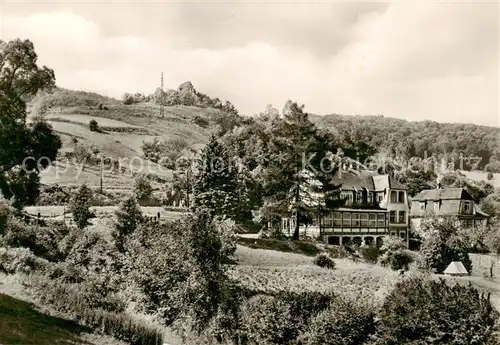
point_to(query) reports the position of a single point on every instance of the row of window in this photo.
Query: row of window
(397, 197)
(397, 217)
(466, 206)
(372, 220)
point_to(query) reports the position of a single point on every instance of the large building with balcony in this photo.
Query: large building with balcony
(447, 202)
(375, 206)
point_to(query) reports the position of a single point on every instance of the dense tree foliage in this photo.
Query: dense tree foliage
(424, 311)
(404, 139)
(443, 243)
(22, 145)
(128, 218)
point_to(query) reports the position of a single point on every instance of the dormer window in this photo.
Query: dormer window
(467, 206)
(422, 206)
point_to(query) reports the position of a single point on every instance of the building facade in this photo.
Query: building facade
(375, 206)
(447, 202)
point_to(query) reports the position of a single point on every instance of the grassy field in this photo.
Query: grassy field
(272, 271)
(123, 130)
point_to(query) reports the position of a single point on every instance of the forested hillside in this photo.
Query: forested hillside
(404, 139)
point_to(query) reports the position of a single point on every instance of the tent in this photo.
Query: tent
(456, 268)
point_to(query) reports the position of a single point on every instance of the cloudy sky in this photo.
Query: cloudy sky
(414, 60)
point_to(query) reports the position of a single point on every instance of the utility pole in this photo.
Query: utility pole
(161, 98)
(101, 174)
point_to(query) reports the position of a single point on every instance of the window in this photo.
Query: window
(403, 235)
(394, 197)
(397, 197)
(422, 206)
(348, 196)
(467, 207)
(328, 220)
(392, 217)
(364, 219)
(370, 197)
(359, 196)
(337, 218)
(381, 220)
(355, 219)
(373, 220)
(346, 219)
(401, 196)
(380, 197)
(469, 222)
(402, 216)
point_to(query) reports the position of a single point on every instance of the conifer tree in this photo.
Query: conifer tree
(129, 216)
(216, 181)
(80, 207)
(296, 180)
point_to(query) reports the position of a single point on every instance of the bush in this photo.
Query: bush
(21, 260)
(423, 311)
(395, 255)
(324, 260)
(370, 253)
(42, 241)
(93, 126)
(344, 322)
(80, 207)
(280, 319)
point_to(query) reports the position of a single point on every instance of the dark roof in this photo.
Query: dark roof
(350, 180)
(442, 194)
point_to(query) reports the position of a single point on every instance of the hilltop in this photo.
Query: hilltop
(123, 127)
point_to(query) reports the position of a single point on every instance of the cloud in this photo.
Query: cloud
(416, 61)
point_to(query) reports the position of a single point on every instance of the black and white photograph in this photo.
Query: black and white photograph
(242, 172)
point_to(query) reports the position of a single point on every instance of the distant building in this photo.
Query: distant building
(375, 206)
(447, 202)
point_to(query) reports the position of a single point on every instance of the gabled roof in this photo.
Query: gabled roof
(442, 194)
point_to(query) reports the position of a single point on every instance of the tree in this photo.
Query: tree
(442, 244)
(20, 79)
(181, 267)
(142, 189)
(296, 171)
(216, 181)
(128, 218)
(80, 206)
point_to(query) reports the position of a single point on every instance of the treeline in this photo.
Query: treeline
(404, 139)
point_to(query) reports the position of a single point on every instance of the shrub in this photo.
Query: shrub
(395, 255)
(100, 106)
(42, 241)
(5, 211)
(344, 322)
(21, 260)
(80, 207)
(369, 253)
(424, 311)
(324, 260)
(93, 125)
(280, 319)
(200, 121)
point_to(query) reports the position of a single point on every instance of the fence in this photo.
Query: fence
(485, 265)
